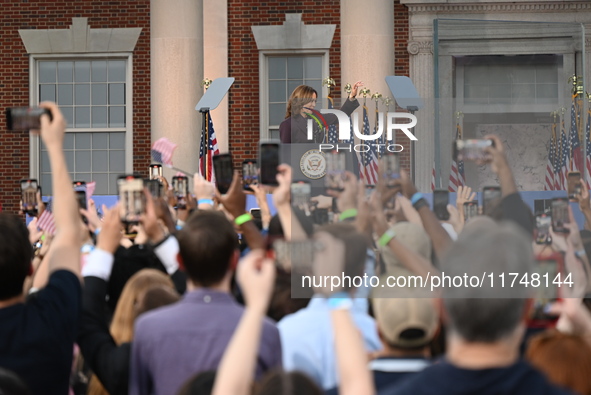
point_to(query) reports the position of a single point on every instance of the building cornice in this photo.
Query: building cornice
(422, 6)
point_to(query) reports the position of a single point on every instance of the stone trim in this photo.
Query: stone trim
(80, 38)
(496, 7)
(293, 34)
(416, 47)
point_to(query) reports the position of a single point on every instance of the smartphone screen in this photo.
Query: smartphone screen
(470, 210)
(81, 199)
(180, 187)
(573, 184)
(249, 174)
(132, 200)
(543, 223)
(391, 171)
(335, 171)
(491, 198)
(29, 189)
(256, 213)
(155, 187)
(548, 269)
(25, 118)
(471, 150)
(269, 160)
(298, 255)
(155, 171)
(440, 202)
(560, 215)
(300, 195)
(224, 172)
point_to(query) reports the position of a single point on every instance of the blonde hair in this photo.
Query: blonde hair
(127, 311)
(300, 96)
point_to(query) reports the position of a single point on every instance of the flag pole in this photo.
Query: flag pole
(205, 127)
(328, 82)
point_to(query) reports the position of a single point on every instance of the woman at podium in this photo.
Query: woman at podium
(301, 103)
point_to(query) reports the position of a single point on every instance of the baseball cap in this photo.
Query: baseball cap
(406, 322)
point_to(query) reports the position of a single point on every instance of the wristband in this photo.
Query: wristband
(350, 213)
(420, 204)
(386, 237)
(205, 201)
(416, 197)
(97, 231)
(244, 218)
(580, 254)
(339, 301)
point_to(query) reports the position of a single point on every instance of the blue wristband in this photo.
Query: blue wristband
(416, 197)
(205, 201)
(340, 300)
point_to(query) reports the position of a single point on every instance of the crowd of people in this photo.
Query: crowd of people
(202, 300)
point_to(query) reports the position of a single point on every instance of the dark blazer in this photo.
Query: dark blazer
(293, 129)
(107, 360)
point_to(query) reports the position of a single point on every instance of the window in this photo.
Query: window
(283, 74)
(93, 96)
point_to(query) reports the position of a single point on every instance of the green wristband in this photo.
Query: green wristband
(350, 213)
(244, 218)
(386, 237)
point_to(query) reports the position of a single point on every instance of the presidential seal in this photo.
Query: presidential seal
(313, 164)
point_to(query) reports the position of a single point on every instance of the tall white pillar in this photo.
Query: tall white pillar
(367, 44)
(215, 47)
(176, 56)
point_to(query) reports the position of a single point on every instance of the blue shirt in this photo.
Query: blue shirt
(173, 343)
(307, 340)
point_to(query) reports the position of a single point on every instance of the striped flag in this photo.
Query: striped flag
(433, 178)
(368, 161)
(563, 161)
(575, 156)
(457, 177)
(333, 135)
(549, 184)
(208, 150)
(46, 222)
(162, 151)
(588, 151)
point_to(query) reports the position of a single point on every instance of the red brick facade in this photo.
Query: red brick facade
(14, 77)
(244, 61)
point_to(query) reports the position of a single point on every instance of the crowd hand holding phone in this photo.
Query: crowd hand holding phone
(500, 165)
(203, 190)
(91, 215)
(34, 232)
(150, 221)
(183, 213)
(110, 236)
(260, 193)
(404, 210)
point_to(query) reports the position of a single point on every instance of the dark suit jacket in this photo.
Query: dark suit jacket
(293, 129)
(107, 360)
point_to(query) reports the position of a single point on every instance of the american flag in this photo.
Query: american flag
(333, 135)
(46, 222)
(575, 145)
(588, 151)
(162, 151)
(368, 161)
(563, 162)
(206, 154)
(457, 177)
(433, 186)
(549, 184)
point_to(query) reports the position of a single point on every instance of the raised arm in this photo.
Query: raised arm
(67, 242)
(292, 229)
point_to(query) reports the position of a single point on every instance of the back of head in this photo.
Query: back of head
(207, 244)
(565, 359)
(11, 384)
(15, 255)
(200, 384)
(484, 249)
(287, 383)
(155, 297)
(355, 246)
(131, 297)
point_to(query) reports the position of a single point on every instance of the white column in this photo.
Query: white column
(215, 48)
(367, 44)
(176, 56)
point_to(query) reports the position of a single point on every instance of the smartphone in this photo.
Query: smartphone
(300, 195)
(268, 161)
(132, 201)
(470, 210)
(491, 198)
(256, 213)
(249, 174)
(369, 188)
(154, 186)
(560, 215)
(25, 118)
(543, 223)
(573, 185)
(471, 150)
(440, 202)
(335, 171)
(549, 269)
(29, 188)
(224, 172)
(391, 172)
(180, 188)
(294, 256)
(155, 171)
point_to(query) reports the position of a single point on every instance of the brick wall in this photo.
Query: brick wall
(244, 60)
(14, 76)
